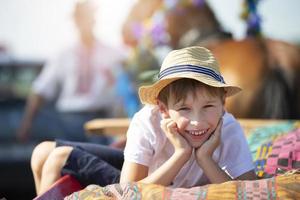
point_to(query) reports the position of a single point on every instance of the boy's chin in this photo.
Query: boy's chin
(196, 145)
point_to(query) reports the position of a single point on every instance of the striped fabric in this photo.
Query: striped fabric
(285, 154)
(261, 189)
(285, 186)
(261, 141)
(261, 158)
(265, 134)
(191, 68)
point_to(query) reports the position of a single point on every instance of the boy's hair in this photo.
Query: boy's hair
(179, 89)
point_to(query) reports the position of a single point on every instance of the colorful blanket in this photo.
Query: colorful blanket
(273, 144)
(286, 186)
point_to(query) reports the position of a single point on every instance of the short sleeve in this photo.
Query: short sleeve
(138, 148)
(236, 157)
(47, 83)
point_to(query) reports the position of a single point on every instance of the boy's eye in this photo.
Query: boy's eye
(208, 106)
(183, 108)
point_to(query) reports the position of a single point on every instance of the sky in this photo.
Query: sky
(39, 29)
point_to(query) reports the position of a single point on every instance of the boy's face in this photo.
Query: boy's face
(197, 116)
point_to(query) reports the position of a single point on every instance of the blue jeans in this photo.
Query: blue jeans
(93, 163)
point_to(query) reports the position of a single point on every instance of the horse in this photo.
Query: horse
(268, 70)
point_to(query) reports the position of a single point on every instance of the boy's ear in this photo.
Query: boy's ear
(163, 109)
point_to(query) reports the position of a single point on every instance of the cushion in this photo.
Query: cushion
(261, 141)
(286, 186)
(285, 154)
(66, 185)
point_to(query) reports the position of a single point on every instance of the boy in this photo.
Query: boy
(197, 141)
(183, 137)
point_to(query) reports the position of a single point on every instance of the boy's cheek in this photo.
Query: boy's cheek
(182, 123)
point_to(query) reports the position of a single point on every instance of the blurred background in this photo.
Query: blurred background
(25, 24)
(264, 34)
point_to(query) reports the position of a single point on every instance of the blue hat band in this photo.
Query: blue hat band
(191, 68)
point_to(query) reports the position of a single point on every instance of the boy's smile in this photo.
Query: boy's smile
(197, 116)
(196, 132)
(196, 138)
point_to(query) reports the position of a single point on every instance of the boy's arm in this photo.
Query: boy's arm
(133, 172)
(164, 175)
(250, 175)
(216, 175)
(212, 171)
(204, 157)
(210, 168)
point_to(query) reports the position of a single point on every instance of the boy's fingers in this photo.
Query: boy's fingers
(166, 121)
(165, 115)
(172, 126)
(220, 123)
(218, 129)
(169, 125)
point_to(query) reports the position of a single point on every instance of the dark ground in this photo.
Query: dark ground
(16, 180)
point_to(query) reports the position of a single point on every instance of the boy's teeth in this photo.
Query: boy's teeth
(197, 132)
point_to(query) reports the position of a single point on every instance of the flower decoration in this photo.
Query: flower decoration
(151, 34)
(153, 30)
(252, 18)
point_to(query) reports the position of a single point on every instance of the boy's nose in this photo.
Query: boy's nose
(194, 123)
(198, 124)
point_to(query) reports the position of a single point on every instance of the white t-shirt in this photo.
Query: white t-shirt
(79, 80)
(148, 145)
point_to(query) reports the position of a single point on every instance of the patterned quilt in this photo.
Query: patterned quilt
(286, 186)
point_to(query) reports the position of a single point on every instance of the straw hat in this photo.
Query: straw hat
(192, 62)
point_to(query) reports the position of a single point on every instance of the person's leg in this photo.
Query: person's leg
(51, 170)
(38, 158)
(90, 169)
(88, 163)
(113, 156)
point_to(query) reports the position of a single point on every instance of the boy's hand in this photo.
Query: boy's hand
(172, 132)
(207, 149)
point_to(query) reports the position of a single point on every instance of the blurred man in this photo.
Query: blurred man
(81, 81)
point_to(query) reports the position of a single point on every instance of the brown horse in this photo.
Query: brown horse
(267, 70)
(269, 73)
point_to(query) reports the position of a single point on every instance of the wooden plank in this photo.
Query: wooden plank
(119, 126)
(111, 126)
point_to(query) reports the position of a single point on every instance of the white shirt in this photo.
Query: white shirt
(81, 81)
(148, 145)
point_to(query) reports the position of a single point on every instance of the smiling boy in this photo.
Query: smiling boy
(183, 137)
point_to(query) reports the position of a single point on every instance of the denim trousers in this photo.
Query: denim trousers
(93, 163)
